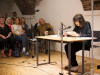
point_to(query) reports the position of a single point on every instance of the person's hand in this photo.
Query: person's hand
(65, 34)
(44, 32)
(8, 36)
(3, 37)
(38, 21)
(22, 33)
(74, 34)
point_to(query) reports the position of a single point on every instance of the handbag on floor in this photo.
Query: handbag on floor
(16, 51)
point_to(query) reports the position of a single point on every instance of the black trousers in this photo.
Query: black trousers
(10, 41)
(75, 46)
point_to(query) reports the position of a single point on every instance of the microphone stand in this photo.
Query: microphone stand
(32, 30)
(61, 37)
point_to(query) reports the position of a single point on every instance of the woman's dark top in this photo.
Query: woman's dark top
(25, 27)
(5, 30)
(84, 31)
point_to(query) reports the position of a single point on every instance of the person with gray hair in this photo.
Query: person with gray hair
(42, 28)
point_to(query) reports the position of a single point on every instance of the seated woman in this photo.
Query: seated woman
(23, 23)
(9, 22)
(82, 29)
(5, 37)
(18, 31)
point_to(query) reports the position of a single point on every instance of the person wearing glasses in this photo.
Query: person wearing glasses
(5, 37)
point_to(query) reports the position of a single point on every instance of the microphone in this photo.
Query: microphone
(68, 27)
(65, 26)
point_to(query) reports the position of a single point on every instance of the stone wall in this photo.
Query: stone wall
(87, 4)
(27, 7)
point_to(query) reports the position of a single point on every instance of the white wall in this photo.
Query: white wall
(54, 12)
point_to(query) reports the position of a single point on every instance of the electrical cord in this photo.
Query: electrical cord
(28, 59)
(16, 65)
(27, 66)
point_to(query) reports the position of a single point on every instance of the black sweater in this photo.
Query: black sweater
(84, 31)
(5, 30)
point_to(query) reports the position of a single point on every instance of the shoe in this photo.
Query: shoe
(46, 52)
(74, 68)
(23, 50)
(2, 54)
(66, 67)
(10, 51)
(27, 54)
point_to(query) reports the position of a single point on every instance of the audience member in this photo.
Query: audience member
(5, 37)
(43, 27)
(18, 31)
(9, 22)
(5, 15)
(14, 15)
(23, 23)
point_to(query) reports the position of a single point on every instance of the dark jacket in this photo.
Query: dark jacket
(84, 31)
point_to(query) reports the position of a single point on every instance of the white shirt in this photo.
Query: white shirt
(17, 29)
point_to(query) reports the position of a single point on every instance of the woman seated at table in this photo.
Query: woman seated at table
(18, 31)
(82, 29)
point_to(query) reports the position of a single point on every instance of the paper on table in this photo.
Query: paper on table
(81, 37)
(69, 32)
(87, 37)
(53, 35)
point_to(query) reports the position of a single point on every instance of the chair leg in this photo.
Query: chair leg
(89, 59)
(86, 57)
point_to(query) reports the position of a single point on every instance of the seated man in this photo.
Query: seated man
(42, 28)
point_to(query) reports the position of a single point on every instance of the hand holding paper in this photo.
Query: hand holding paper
(65, 34)
(70, 33)
(74, 34)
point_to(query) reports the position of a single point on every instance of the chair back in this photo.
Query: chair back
(97, 35)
